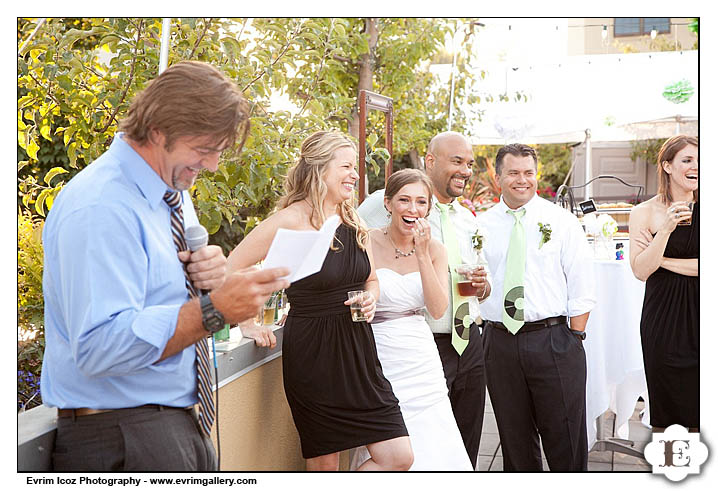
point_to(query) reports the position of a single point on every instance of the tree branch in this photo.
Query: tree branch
(129, 80)
(316, 77)
(284, 50)
(201, 36)
(47, 89)
(344, 59)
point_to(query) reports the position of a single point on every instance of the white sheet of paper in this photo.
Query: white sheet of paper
(302, 251)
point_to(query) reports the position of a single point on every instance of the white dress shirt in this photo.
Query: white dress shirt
(465, 224)
(559, 276)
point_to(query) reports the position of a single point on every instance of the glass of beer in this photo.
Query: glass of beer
(464, 283)
(689, 204)
(357, 297)
(268, 310)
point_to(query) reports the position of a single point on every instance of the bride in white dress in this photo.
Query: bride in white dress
(412, 271)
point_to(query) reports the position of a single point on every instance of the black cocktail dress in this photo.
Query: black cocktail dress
(333, 380)
(670, 335)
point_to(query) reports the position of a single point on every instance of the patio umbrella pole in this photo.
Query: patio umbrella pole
(588, 163)
(165, 46)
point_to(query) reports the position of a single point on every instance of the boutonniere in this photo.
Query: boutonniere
(545, 229)
(477, 240)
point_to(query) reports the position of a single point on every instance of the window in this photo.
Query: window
(638, 26)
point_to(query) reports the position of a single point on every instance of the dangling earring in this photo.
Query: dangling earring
(388, 214)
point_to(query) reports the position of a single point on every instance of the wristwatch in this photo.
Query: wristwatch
(581, 334)
(212, 319)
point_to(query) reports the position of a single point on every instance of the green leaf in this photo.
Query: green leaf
(52, 173)
(64, 82)
(67, 135)
(32, 148)
(45, 131)
(72, 154)
(214, 220)
(39, 202)
(372, 139)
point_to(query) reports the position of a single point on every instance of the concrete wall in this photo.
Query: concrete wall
(256, 427)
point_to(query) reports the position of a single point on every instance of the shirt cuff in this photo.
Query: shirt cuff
(579, 306)
(156, 325)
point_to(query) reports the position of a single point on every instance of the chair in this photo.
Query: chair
(564, 194)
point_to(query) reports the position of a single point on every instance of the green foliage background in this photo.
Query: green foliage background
(77, 76)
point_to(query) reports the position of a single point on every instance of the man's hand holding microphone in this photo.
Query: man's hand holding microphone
(236, 296)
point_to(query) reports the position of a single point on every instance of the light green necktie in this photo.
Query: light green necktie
(460, 307)
(513, 317)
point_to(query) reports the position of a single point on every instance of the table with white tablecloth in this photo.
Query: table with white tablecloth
(614, 360)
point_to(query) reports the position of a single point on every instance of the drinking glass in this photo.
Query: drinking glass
(357, 297)
(464, 283)
(688, 220)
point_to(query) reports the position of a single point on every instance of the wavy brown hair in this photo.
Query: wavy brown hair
(190, 98)
(667, 153)
(305, 181)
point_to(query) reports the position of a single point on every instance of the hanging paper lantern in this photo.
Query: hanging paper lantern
(679, 92)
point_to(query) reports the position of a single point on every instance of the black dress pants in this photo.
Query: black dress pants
(537, 385)
(141, 439)
(466, 380)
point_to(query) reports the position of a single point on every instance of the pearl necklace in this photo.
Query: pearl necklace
(398, 251)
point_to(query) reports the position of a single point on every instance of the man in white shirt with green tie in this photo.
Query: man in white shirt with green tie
(536, 319)
(449, 161)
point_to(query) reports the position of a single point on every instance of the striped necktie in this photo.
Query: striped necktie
(206, 403)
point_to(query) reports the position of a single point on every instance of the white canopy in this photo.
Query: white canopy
(616, 97)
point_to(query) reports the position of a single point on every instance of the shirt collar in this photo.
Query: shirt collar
(530, 205)
(138, 171)
(451, 204)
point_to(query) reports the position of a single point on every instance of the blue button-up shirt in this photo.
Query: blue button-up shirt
(113, 289)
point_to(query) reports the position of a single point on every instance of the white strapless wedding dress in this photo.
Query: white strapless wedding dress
(410, 361)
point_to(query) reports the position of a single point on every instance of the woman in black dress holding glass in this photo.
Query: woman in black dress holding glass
(664, 253)
(333, 380)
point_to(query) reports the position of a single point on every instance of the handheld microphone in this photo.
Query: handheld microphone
(196, 237)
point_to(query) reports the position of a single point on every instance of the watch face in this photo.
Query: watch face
(212, 319)
(214, 322)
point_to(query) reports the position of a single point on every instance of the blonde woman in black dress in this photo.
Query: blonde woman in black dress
(333, 380)
(664, 253)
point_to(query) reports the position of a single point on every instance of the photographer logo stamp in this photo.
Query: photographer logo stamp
(676, 453)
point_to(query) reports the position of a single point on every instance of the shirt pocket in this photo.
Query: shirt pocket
(548, 249)
(165, 272)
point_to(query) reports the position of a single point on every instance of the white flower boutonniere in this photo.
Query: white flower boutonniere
(477, 240)
(545, 229)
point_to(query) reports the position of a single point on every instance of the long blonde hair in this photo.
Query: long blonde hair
(304, 181)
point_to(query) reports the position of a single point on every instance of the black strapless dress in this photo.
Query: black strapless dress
(670, 335)
(333, 380)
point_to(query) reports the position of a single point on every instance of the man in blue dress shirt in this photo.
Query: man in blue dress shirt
(120, 324)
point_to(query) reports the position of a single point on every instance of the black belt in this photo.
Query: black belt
(74, 413)
(533, 326)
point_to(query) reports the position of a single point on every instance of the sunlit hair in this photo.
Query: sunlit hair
(305, 181)
(190, 98)
(402, 177)
(667, 153)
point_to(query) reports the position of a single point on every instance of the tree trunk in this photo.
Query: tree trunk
(366, 72)
(415, 159)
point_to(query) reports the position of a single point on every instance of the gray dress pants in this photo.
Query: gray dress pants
(144, 439)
